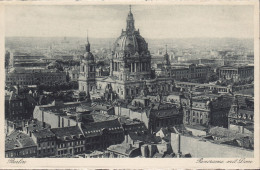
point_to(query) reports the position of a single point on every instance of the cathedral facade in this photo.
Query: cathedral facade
(130, 68)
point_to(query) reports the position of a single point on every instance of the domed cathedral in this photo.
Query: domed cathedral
(130, 68)
(87, 76)
(131, 59)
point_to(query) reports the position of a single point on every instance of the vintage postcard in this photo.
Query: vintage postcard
(127, 84)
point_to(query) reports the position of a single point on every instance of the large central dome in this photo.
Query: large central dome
(130, 40)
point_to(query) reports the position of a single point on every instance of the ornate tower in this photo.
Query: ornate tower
(87, 77)
(130, 22)
(131, 59)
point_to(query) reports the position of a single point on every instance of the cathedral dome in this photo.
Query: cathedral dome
(130, 40)
(131, 43)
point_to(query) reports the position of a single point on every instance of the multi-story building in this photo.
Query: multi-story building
(208, 111)
(70, 141)
(34, 76)
(26, 60)
(19, 145)
(236, 72)
(46, 142)
(100, 135)
(19, 106)
(241, 114)
(195, 73)
(154, 115)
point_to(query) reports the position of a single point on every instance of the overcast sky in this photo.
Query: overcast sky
(107, 21)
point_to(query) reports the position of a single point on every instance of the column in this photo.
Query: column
(141, 67)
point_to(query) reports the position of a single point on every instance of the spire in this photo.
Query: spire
(88, 44)
(130, 27)
(166, 56)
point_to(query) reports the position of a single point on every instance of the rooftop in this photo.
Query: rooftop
(43, 133)
(68, 133)
(18, 140)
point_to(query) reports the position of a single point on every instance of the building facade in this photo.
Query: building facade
(130, 67)
(193, 73)
(236, 72)
(34, 76)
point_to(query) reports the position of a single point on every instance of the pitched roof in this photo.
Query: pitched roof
(67, 133)
(122, 149)
(143, 137)
(18, 140)
(96, 128)
(43, 133)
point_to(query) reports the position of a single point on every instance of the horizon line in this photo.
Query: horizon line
(116, 37)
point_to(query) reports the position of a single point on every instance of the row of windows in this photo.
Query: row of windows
(199, 114)
(197, 120)
(63, 145)
(46, 144)
(31, 79)
(20, 153)
(17, 104)
(45, 151)
(76, 150)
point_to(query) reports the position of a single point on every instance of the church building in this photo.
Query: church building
(130, 68)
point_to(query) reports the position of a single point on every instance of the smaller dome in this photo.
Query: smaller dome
(88, 56)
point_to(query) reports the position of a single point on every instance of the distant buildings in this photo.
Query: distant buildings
(26, 60)
(34, 76)
(236, 72)
(192, 73)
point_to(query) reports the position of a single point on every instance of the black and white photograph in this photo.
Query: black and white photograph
(130, 81)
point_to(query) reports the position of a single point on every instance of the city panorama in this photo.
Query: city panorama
(85, 82)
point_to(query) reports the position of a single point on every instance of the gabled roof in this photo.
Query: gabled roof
(96, 128)
(67, 133)
(43, 133)
(18, 140)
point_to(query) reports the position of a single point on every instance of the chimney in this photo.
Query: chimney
(130, 146)
(27, 130)
(179, 144)
(126, 138)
